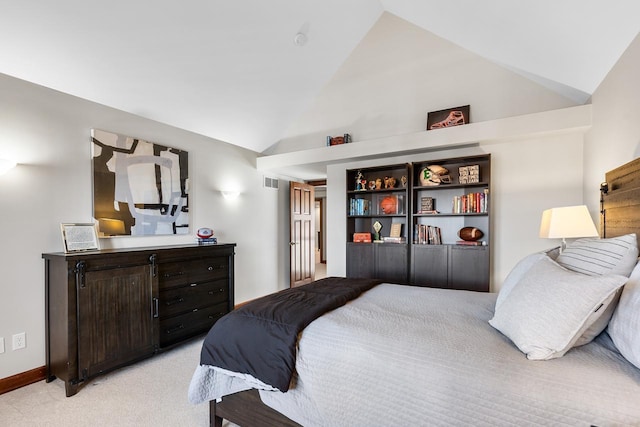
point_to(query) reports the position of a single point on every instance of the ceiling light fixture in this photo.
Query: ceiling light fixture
(300, 39)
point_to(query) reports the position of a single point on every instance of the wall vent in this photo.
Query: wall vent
(270, 182)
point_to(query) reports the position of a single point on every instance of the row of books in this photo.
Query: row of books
(471, 203)
(359, 207)
(427, 235)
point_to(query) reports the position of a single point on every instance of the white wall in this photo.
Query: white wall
(397, 74)
(527, 177)
(614, 138)
(48, 133)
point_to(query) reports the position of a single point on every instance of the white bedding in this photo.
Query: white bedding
(419, 356)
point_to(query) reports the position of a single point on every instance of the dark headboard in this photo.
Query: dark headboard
(620, 201)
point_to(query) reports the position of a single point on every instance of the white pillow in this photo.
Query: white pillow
(595, 257)
(520, 270)
(550, 307)
(624, 327)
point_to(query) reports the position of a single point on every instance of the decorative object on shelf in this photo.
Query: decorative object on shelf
(372, 185)
(377, 226)
(79, 237)
(143, 184)
(361, 237)
(470, 234)
(361, 183)
(389, 182)
(469, 174)
(403, 181)
(448, 118)
(338, 140)
(427, 204)
(378, 184)
(389, 205)
(567, 222)
(433, 175)
(396, 230)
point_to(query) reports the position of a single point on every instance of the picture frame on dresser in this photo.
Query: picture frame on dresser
(79, 237)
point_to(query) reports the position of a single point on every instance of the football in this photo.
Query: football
(204, 232)
(470, 234)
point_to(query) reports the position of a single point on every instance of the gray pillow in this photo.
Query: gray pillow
(624, 327)
(520, 270)
(595, 257)
(550, 307)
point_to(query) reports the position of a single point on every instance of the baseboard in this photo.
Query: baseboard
(20, 380)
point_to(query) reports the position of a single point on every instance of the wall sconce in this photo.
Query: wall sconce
(6, 165)
(230, 195)
(567, 222)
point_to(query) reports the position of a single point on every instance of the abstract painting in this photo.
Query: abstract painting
(140, 188)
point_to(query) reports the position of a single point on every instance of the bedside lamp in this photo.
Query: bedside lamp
(567, 222)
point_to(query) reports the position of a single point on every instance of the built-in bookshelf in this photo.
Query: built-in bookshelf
(426, 204)
(449, 195)
(378, 231)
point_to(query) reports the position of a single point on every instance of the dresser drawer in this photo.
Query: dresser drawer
(190, 324)
(196, 295)
(174, 274)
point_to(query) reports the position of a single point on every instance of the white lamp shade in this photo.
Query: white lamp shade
(567, 222)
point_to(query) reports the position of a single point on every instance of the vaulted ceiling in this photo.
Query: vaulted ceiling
(235, 70)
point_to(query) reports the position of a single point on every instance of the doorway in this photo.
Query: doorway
(321, 227)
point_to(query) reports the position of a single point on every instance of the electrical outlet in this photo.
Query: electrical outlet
(19, 341)
(1, 345)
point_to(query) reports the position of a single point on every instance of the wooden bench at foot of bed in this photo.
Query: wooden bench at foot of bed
(246, 410)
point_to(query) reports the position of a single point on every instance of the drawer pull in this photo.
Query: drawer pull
(195, 309)
(193, 285)
(215, 267)
(175, 329)
(175, 301)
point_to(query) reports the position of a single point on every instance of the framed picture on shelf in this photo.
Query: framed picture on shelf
(447, 118)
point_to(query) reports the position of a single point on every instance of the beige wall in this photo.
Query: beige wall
(614, 138)
(48, 133)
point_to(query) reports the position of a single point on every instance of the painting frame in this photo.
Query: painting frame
(449, 117)
(140, 187)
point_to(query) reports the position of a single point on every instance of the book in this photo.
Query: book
(469, 243)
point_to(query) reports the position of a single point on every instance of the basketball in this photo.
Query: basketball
(389, 205)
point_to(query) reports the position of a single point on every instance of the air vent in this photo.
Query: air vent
(270, 182)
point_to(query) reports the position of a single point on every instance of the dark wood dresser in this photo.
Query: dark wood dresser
(107, 309)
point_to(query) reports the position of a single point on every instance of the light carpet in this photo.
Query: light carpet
(149, 393)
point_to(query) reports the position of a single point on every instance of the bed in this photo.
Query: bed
(402, 355)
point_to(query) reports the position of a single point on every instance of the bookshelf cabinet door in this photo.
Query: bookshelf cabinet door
(469, 268)
(360, 260)
(391, 262)
(429, 266)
